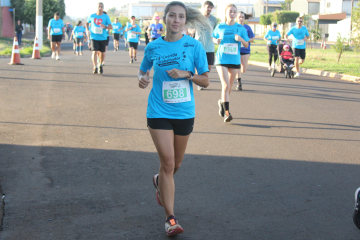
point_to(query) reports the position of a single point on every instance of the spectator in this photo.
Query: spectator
(19, 28)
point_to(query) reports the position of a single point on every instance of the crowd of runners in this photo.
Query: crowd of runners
(180, 60)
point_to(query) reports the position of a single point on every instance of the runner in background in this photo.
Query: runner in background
(146, 34)
(155, 29)
(230, 36)
(107, 44)
(18, 29)
(206, 39)
(133, 30)
(116, 33)
(272, 38)
(300, 35)
(79, 37)
(244, 52)
(99, 23)
(125, 35)
(171, 105)
(56, 34)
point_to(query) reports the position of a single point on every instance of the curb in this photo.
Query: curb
(339, 76)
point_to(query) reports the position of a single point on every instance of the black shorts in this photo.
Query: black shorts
(182, 127)
(210, 58)
(241, 53)
(107, 41)
(116, 36)
(98, 45)
(56, 38)
(134, 45)
(300, 53)
(272, 49)
(235, 66)
(79, 40)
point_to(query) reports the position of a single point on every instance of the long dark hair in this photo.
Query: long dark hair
(247, 16)
(79, 23)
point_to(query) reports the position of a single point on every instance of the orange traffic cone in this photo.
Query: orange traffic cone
(36, 51)
(15, 57)
(324, 47)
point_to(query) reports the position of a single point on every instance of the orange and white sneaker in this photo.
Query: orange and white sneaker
(172, 227)
(156, 185)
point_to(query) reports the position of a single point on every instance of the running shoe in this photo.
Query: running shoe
(114, 50)
(135, 59)
(221, 108)
(100, 69)
(200, 88)
(269, 68)
(131, 60)
(94, 70)
(77, 54)
(126, 49)
(239, 85)
(81, 53)
(356, 216)
(103, 64)
(53, 55)
(117, 47)
(228, 118)
(172, 227)
(57, 57)
(156, 185)
(297, 75)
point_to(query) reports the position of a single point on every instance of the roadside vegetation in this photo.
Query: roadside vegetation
(6, 46)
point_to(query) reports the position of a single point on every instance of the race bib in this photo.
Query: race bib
(80, 34)
(176, 91)
(231, 48)
(133, 35)
(116, 27)
(56, 30)
(300, 42)
(98, 30)
(275, 37)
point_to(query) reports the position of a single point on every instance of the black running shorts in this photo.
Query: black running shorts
(300, 53)
(210, 58)
(117, 36)
(182, 127)
(79, 40)
(98, 45)
(134, 45)
(107, 41)
(56, 38)
(235, 66)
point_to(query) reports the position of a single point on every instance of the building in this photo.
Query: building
(7, 28)
(306, 6)
(260, 6)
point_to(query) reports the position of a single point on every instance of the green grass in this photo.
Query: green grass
(6, 50)
(319, 59)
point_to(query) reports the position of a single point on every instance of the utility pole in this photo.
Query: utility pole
(39, 22)
(267, 5)
(352, 5)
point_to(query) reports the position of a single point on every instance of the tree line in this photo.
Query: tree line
(25, 10)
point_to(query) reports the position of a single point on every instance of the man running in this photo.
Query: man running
(100, 22)
(206, 39)
(116, 33)
(300, 35)
(55, 34)
(133, 30)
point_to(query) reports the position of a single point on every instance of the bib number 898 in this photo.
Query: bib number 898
(175, 94)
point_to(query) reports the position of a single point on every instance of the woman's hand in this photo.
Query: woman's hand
(218, 41)
(176, 73)
(143, 79)
(238, 38)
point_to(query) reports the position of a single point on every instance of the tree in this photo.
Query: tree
(30, 12)
(111, 12)
(355, 18)
(19, 6)
(61, 10)
(283, 17)
(313, 29)
(286, 5)
(266, 19)
(341, 45)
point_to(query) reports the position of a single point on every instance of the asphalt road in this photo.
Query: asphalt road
(76, 158)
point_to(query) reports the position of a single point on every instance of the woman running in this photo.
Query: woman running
(171, 106)
(244, 52)
(230, 36)
(272, 37)
(79, 36)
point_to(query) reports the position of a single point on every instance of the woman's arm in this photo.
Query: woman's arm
(252, 40)
(217, 40)
(240, 39)
(143, 79)
(201, 80)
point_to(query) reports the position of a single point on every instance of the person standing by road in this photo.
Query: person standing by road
(100, 22)
(116, 33)
(19, 28)
(230, 36)
(272, 38)
(56, 34)
(171, 106)
(80, 37)
(300, 35)
(133, 30)
(155, 30)
(206, 39)
(244, 52)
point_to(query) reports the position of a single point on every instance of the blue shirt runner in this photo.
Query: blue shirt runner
(97, 32)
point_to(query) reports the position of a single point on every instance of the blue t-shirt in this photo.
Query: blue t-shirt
(56, 27)
(96, 31)
(273, 36)
(299, 34)
(155, 28)
(133, 37)
(116, 27)
(229, 49)
(79, 31)
(250, 35)
(185, 54)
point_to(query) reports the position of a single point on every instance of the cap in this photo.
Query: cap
(157, 17)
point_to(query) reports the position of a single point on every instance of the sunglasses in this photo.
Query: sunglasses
(299, 21)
